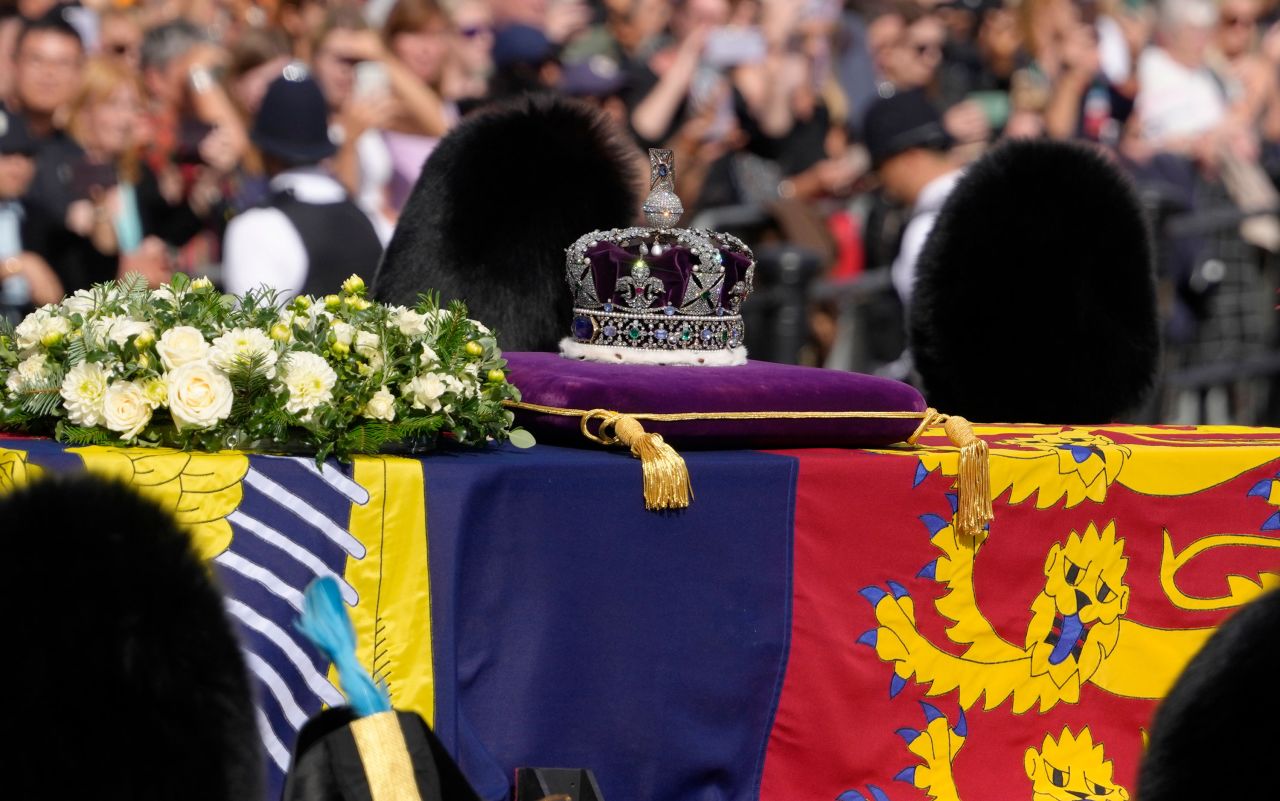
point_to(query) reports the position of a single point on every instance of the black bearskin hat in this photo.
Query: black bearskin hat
(126, 681)
(1214, 735)
(1034, 298)
(498, 202)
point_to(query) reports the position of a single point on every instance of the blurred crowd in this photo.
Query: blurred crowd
(126, 143)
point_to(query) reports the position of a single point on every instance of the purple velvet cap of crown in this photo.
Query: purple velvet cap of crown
(674, 268)
(547, 379)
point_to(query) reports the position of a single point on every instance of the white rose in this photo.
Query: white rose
(410, 323)
(83, 303)
(83, 389)
(126, 409)
(382, 406)
(181, 345)
(199, 395)
(243, 344)
(343, 332)
(424, 391)
(37, 325)
(368, 344)
(122, 328)
(309, 379)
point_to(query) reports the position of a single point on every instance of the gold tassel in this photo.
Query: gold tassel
(666, 476)
(973, 479)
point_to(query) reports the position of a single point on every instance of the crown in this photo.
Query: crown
(658, 295)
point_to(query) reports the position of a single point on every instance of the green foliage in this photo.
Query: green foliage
(81, 436)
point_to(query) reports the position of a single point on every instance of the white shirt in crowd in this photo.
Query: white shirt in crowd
(261, 246)
(923, 216)
(1176, 101)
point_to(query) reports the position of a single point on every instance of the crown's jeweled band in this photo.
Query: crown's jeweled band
(657, 331)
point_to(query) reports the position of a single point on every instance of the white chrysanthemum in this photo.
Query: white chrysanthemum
(126, 408)
(243, 344)
(410, 323)
(424, 391)
(83, 303)
(199, 395)
(122, 328)
(31, 371)
(309, 379)
(181, 345)
(382, 406)
(83, 389)
(343, 332)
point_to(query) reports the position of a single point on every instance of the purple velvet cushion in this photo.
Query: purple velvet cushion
(547, 379)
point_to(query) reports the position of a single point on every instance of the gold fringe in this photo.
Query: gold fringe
(666, 477)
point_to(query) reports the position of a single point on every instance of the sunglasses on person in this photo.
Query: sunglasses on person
(1234, 21)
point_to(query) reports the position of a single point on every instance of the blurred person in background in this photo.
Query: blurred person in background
(524, 60)
(47, 66)
(466, 75)
(302, 21)
(370, 91)
(560, 20)
(1250, 79)
(119, 209)
(120, 35)
(310, 235)
(26, 279)
(421, 35)
(257, 59)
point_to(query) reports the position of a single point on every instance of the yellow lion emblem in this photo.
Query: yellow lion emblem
(1077, 632)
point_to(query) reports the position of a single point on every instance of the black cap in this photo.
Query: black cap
(900, 122)
(15, 137)
(521, 44)
(293, 122)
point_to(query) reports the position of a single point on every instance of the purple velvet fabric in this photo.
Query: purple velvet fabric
(548, 379)
(609, 262)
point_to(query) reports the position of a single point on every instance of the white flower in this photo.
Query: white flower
(157, 391)
(368, 345)
(309, 379)
(382, 406)
(343, 332)
(126, 408)
(122, 328)
(38, 325)
(424, 391)
(481, 327)
(166, 293)
(410, 323)
(82, 392)
(83, 303)
(199, 395)
(32, 370)
(243, 344)
(181, 345)
(429, 357)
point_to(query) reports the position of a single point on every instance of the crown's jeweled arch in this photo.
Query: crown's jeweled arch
(658, 294)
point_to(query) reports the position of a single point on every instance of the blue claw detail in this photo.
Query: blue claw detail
(872, 594)
(1262, 489)
(934, 523)
(895, 685)
(851, 795)
(877, 793)
(897, 589)
(868, 638)
(931, 712)
(907, 775)
(954, 500)
(962, 726)
(1272, 523)
(929, 571)
(921, 475)
(908, 734)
